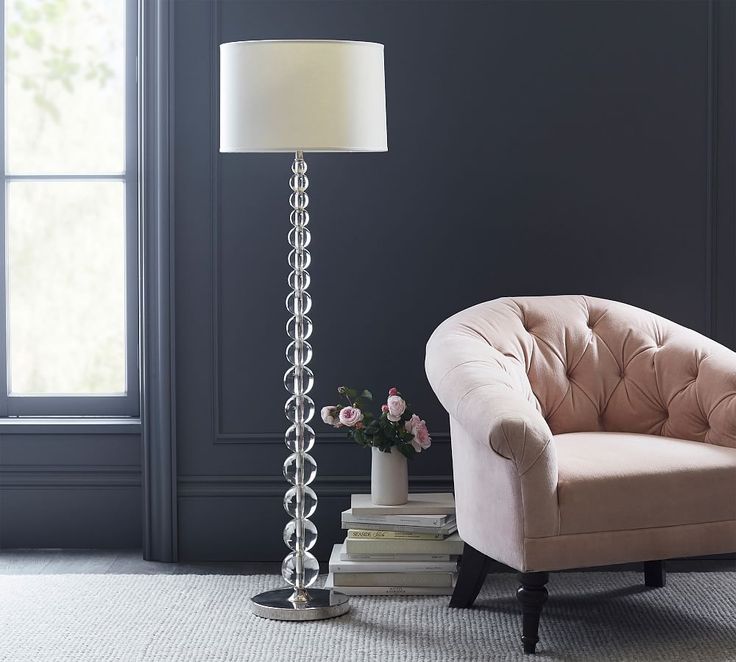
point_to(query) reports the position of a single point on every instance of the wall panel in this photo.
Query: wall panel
(535, 148)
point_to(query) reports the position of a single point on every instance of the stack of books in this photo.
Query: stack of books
(410, 549)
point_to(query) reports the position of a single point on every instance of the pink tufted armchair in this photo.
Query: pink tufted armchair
(584, 432)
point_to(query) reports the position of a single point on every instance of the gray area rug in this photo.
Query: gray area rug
(590, 616)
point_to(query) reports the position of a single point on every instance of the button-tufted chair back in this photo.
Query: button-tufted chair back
(589, 365)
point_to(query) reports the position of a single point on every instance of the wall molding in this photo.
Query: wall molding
(218, 435)
(721, 173)
(725, 242)
(70, 427)
(711, 175)
(271, 486)
(156, 70)
(215, 204)
(332, 438)
(29, 476)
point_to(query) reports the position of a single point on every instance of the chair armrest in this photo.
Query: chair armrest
(491, 400)
(507, 422)
(489, 395)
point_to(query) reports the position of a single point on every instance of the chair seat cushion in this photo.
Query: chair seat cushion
(610, 481)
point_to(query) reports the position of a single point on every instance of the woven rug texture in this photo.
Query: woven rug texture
(163, 618)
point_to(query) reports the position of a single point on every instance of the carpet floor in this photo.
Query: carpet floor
(590, 616)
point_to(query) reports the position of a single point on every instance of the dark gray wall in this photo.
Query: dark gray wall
(535, 148)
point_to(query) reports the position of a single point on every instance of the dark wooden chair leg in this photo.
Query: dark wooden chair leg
(532, 595)
(655, 574)
(473, 571)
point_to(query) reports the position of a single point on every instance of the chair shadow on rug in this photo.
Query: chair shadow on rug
(584, 433)
(627, 620)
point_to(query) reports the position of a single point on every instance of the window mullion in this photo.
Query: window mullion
(62, 177)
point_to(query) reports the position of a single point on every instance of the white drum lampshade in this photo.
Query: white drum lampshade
(307, 95)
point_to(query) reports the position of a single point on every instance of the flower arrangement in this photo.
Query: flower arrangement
(395, 427)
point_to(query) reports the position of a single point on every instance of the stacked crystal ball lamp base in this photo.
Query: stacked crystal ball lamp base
(300, 568)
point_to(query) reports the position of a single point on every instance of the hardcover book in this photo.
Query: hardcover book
(387, 590)
(452, 545)
(444, 531)
(414, 558)
(349, 517)
(386, 579)
(340, 565)
(398, 535)
(435, 503)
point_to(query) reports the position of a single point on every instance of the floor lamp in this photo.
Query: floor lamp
(301, 96)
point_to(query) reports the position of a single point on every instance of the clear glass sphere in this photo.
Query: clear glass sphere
(299, 305)
(300, 509)
(299, 332)
(309, 565)
(299, 280)
(299, 409)
(299, 237)
(298, 200)
(303, 476)
(300, 260)
(299, 217)
(299, 183)
(309, 535)
(299, 167)
(298, 380)
(299, 438)
(299, 351)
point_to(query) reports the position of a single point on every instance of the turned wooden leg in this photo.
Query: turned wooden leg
(532, 595)
(655, 574)
(473, 571)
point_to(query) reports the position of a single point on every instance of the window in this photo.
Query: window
(69, 327)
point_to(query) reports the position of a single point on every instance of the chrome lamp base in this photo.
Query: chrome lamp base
(320, 604)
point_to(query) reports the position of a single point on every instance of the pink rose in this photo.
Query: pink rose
(393, 391)
(328, 416)
(396, 407)
(418, 427)
(384, 408)
(350, 416)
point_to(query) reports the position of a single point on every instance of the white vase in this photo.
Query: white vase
(389, 478)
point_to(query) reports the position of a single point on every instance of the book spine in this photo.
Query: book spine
(386, 579)
(393, 590)
(444, 531)
(353, 546)
(417, 504)
(382, 558)
(390, 535)
(401, 520)
(380, 511)
(392, 566)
